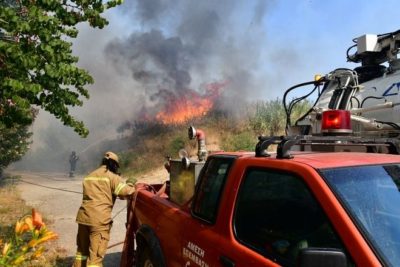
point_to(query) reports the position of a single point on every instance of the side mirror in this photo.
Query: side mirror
(316, 257)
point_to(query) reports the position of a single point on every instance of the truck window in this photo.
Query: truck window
(277, 216)
(210, 187)
(371, 194)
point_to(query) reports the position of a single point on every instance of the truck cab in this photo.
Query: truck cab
(301, 208)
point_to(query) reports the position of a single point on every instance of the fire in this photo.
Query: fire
(181, 109)
(189, 104)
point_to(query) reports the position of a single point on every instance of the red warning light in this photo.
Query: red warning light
(336, 121)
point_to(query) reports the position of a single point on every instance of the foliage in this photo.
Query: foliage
(14, 142)
(140, 163)
(244, 141)
(176, 144)
(150, 128)
(300, 109)
(30, 234)
(37, 67)
(269, 118)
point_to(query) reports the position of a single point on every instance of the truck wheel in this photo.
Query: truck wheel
(146, 259)
(148, 250)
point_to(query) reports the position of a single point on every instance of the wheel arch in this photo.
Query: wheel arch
(146, 236)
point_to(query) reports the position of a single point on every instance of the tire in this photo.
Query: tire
(145, 258)
(148, 250)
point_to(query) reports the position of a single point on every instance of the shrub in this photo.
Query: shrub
(175, 145)
(269, 118)
(242, 141)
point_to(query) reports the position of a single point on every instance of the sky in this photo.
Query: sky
(259, 48)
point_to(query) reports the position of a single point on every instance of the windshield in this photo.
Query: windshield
(371, 195)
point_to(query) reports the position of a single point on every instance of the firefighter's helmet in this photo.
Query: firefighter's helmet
(111, 155)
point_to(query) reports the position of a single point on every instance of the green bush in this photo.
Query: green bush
(244, 141)
(175, 145)
(269, 117)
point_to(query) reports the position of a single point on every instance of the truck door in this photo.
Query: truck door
(200, 235)
(275, 216)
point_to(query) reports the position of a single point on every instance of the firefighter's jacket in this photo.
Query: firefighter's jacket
(100, 190)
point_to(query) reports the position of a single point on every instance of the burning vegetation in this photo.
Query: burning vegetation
(179, 109)
(184, 105)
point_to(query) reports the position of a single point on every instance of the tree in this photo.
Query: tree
(14, 142)
(37, 67)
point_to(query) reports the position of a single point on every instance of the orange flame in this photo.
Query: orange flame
(189, 105)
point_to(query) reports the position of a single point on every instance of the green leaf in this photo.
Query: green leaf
(39, 65)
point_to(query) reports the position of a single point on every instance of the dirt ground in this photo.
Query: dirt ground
(58, 198)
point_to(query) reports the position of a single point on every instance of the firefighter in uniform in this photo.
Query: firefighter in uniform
(100, 190)
(73, 158)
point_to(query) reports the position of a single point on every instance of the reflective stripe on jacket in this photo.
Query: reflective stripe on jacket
(100, 189)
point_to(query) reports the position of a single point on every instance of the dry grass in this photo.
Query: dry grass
(54, 257)
(12, 208)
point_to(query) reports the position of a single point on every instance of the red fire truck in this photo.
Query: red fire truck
(327, 194)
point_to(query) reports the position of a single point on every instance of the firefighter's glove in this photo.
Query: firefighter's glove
(131, 181)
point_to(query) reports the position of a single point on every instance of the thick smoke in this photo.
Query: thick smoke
(153, 59)
(183, 45)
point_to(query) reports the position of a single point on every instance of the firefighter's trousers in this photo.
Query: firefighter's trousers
(92, 244)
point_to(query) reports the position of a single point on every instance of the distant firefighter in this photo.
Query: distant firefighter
(73, 158)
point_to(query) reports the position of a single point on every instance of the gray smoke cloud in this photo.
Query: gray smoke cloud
(183, 45)
(153, 59)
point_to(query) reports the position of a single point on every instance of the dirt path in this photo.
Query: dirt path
(58, 198)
